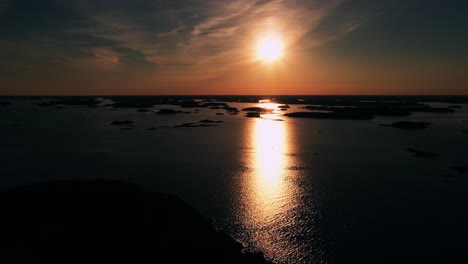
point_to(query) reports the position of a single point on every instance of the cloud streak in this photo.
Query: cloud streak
(162, 40)
(198, 33)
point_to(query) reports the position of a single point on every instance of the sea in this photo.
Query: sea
(299, 190)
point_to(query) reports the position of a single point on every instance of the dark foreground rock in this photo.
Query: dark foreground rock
(422, 154)
(102, 221)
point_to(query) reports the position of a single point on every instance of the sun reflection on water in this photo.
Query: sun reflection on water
(268, 159)
(276, 208)
(269, 143)
(269, 194)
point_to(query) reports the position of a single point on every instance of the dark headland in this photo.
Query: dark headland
(102, 221)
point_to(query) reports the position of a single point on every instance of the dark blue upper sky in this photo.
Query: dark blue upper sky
(209, 47)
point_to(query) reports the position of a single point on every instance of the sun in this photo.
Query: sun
(270, 49)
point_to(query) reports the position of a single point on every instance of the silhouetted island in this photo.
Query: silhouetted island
(373, 111)
(4, 103)
(122, 123)
(448, 175)
(351, 100)
(194, 125)
(408, 125)
(167, 112)
(256, 109)
(74, 101)
(210, 121)
(330, 115)
(422, 154)
(253, 114)
(379, 109)
(182, 101)
(460, 169)
(104, 221)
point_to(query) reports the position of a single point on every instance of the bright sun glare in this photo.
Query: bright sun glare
(269, 49)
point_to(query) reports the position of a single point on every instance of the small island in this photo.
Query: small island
(408, 125)
(4, 103)
(122, 123)
(421, 154)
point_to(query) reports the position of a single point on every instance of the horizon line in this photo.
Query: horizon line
(188, 95)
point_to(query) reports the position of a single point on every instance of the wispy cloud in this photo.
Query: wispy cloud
(201, 40)
(98, 59)
(225, 39)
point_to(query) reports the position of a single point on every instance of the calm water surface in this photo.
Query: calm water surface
(299, 190)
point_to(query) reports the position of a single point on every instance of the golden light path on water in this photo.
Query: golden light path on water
(269, 162)
(271, 200)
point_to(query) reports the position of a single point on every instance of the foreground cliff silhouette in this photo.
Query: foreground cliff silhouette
(101, 221)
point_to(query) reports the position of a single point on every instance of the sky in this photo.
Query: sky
(175, 47)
